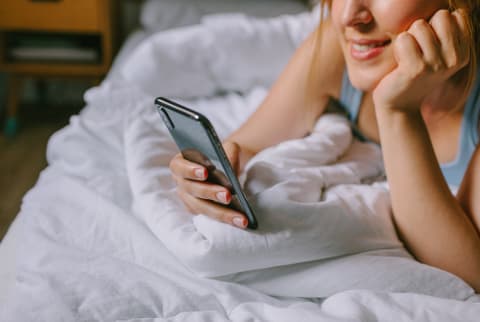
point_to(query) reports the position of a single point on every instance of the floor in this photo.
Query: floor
(23, 157)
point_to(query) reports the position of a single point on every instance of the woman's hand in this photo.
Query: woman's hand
(427, 54)
(203, 197)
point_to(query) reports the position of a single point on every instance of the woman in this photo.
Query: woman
(412, 67)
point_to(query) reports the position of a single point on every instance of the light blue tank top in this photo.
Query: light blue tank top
(351, 98)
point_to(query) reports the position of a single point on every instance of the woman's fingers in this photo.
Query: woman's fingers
(213, 210)
(451, 30)
(183, 168)
(428, 43)
(438, 47)
(409, 56)
(427, 54)
(204, 190)
(447, 32)
(200, 196)
(462, 41)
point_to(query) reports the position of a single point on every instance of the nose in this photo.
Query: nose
(356, 12)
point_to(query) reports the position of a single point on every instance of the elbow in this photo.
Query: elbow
(472, 277)
(475, 284)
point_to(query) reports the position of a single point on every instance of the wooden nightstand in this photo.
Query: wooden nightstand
(53, 38)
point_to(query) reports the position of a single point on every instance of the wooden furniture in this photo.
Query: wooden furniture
(86, 22)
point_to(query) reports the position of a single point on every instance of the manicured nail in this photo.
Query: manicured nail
(222, 196)
(240, 222)
(200, 173)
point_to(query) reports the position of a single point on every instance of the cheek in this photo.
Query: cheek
(389, 17)
(395, 17)
(335, 13)
(399, 16)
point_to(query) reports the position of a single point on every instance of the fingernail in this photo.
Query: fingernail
(222, 196)
(200, 173)
(240, 222)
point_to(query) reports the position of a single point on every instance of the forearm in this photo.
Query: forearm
(281, 117)
(271, 124)
(263, 130)
(429, 218)
(287, 112)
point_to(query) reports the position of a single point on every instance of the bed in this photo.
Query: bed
(102, 235)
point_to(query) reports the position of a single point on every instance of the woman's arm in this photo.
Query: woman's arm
(286, 113)
(430, 220)
(437, 228)
(470, 188)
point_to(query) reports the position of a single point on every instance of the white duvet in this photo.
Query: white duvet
(103, 237)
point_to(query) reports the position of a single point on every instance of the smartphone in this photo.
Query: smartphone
(198, 142)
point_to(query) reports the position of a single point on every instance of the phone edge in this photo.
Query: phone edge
(214, 139)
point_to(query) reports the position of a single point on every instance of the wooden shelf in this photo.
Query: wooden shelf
(57, 69)
(64, 15)
(68, 18)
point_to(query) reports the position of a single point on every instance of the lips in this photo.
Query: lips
(369, 45)
(365, 49)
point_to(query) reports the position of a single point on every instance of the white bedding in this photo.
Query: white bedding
(102, 237)
(315, 214)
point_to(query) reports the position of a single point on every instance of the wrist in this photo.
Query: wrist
(244, 154)
(395, 104)
(395, 119)
(393, 111)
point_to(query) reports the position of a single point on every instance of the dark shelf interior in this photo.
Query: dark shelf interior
(43, 47)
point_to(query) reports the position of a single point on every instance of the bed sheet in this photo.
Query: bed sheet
(133, 40)
(80, 251)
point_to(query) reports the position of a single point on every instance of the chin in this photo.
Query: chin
(365, 83)
(366, 77)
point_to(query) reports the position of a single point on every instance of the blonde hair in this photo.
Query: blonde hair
(472, 8)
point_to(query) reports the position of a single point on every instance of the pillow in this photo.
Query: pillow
(225, 52)
(159, 15)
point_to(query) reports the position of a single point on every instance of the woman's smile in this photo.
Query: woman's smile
(366, 49)
(368, 29)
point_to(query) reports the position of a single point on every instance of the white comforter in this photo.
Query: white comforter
(103, 237)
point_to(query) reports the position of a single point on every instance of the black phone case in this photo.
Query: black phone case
(198, 142)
